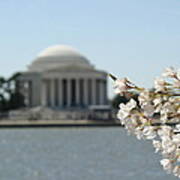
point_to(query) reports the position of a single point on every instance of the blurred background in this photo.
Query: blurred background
(134, 39)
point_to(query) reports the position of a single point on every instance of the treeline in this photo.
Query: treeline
(10, 96)
(118, 99)
(124, 99)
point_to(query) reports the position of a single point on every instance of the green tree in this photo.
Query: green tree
(10, 96)
(118, 99)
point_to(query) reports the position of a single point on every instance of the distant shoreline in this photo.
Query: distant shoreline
(56, 123)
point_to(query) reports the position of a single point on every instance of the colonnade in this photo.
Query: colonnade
(73, 92)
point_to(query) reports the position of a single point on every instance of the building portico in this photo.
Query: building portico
(72, 92)
(60, 77)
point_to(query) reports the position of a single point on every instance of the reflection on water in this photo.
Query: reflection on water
(77, 154)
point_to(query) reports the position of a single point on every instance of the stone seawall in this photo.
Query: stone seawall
(55, 123)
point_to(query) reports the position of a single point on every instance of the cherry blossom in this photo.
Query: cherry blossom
(156, 116)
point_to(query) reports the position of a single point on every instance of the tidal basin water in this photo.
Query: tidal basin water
(77, 154)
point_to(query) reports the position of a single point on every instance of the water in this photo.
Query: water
(77, 154)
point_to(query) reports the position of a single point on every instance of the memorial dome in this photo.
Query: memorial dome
(58, 56)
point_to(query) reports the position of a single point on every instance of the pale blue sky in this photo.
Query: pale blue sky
(133, 38)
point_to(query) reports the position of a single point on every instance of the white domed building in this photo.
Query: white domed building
(62, 78)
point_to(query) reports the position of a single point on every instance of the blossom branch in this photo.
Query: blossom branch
(155, 116)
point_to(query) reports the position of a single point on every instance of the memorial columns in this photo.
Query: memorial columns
(77, 92)
(69, 94)
(101, 90)
(52, 87)
(60, 93)
(44, 93)
(93, 91)
(86, 92)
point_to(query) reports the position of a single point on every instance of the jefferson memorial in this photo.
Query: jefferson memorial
(60, 77)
